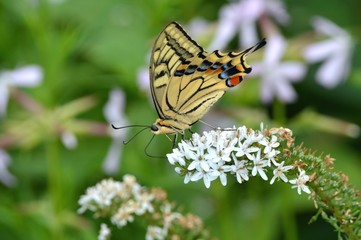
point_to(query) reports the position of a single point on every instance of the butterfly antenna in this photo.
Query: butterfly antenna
(136, 125)
(146, 148)
(128, 141)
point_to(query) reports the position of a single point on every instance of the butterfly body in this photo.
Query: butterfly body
(186, 80)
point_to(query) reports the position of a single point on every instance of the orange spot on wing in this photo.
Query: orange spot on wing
(235, 80)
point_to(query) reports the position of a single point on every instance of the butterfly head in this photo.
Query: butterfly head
(168, 126)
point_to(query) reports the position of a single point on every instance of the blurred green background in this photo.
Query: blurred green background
(88, 47)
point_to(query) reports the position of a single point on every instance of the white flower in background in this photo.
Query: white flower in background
(241, 17)
(122, 202)
(27, 76)
(101, 195)
(114, 114)
(69, 140)
(104, 233)
(300, 182)
(335, 51)
(198, 27)
(277, 76)
(124, 214)
(5, 176)
(143, 80)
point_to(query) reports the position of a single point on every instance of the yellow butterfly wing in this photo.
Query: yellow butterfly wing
(186, 80)
(172, 48)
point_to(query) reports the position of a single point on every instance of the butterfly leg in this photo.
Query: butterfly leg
(175, 140)
(190, 130)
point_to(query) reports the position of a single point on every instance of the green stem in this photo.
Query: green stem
(288, 217)
(279, 111)
(54, 181)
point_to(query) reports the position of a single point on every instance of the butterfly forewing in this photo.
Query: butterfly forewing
(172, 48)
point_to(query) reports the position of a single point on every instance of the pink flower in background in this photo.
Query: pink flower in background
(5, 176)
(27, 76)
(114, 113)
(335, 51)
(277, 76)
(241, 17)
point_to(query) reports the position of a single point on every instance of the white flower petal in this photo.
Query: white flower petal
(226, 31)
(111, 163)
(27, 76)
(285, 91)
(262, 174)
(292, 70)
(4, 98)
(277, 9)
(114, 108)
(325, 26)
(69, 140)
(206, 180)
(267, 89)
(223, 178)
(5, 176)
(316, 52)
(248, 34)
(332, 72)
(274, 49)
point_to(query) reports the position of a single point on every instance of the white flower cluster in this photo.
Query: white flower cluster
(122, 201)
(242, 152)
(106, 197)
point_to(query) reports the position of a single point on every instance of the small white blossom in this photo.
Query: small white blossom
(155, 233)
(300, 182)
(124, 214)
(222, 169)
(245, 149)
(269, 150)
(27, 76)
(240, 169)
(258, 165)
(199, 161)
(168, 215)
(335, 51)
(100, 196)
(145, 203)
(104, 233)
(220, 153)
(176, 157)
(279, 172)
